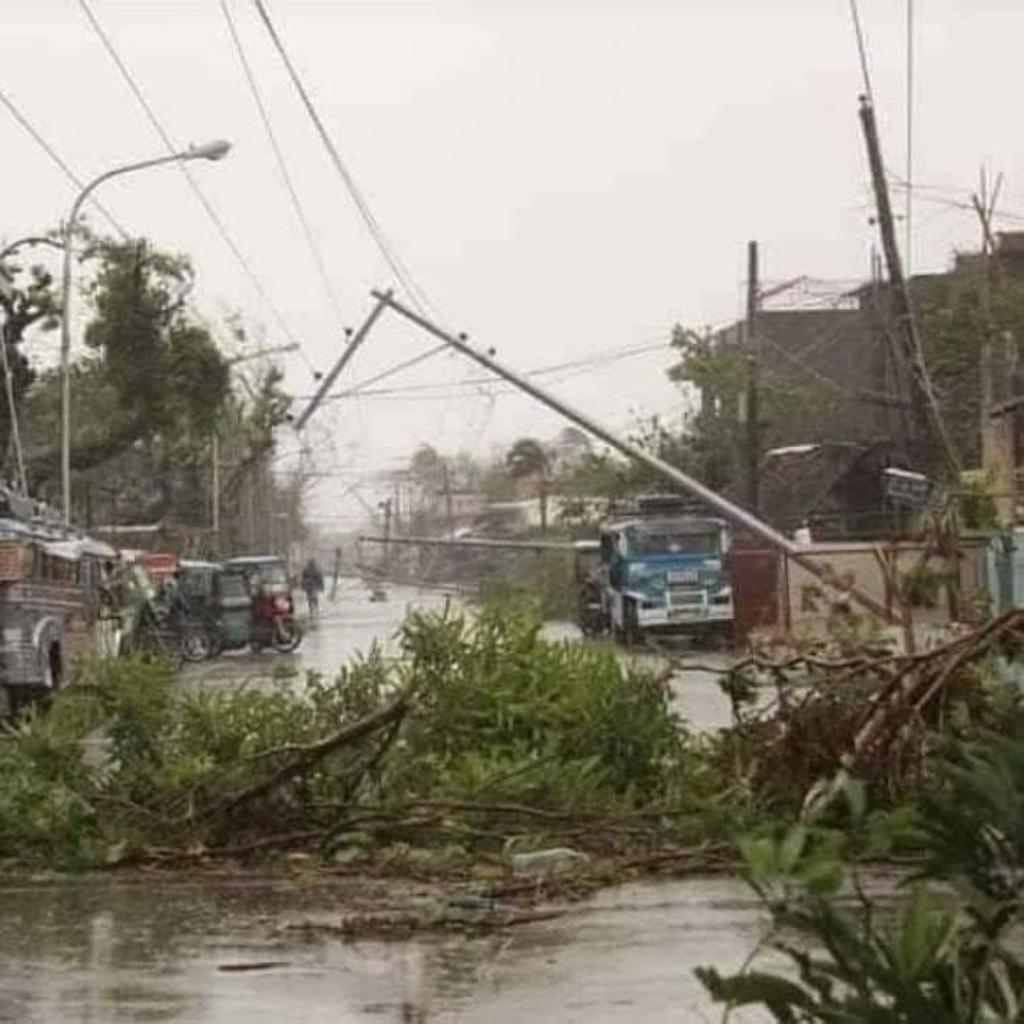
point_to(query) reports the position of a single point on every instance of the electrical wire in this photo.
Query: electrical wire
(613, 356)
(862, 51)
(204, 201)
(58, 160)
(387, 249)
(296, 202)
(390, 372)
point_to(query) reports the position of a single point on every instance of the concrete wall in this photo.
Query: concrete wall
(860, 563)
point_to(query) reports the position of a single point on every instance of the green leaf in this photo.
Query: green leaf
(856, 798)
(778, 994)
(759, 855)
(791, 848)
(822, 877)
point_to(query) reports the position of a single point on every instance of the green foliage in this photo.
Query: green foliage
(147, 395)
(938, 957)
(27, 302)
(977, 503)
(527, 458)
(544, 579)
(506, 713)
(124, 763)
(953, 322)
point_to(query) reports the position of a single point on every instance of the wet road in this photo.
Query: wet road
(351, 624)
(120, 951)
(179, 953)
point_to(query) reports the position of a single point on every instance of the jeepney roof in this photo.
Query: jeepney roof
(667, 524)
(198, 563)
(74, 549)
(56, 541)
(254, 560)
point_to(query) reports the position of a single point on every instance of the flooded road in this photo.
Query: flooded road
(352, 623)
(221, 952)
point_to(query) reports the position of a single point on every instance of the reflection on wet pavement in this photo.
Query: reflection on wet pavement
(172, 952)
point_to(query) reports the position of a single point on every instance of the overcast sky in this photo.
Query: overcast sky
(563, 179)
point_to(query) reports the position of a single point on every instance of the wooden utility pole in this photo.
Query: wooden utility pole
(753, 431)
(927, 414)
(997, 422)
(215, 489)
(449, 508)
(336, 573)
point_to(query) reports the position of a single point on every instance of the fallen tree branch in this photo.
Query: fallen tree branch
(302, 759)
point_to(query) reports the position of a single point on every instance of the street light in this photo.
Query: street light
(215, 150)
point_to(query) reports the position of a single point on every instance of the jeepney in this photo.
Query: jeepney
(51, 587)
(666, 574)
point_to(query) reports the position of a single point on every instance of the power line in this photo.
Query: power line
(613, 356)
(211, 212)
(862, 51)
(300, 213)
(388, 251)
(56, 158)
(390, 372)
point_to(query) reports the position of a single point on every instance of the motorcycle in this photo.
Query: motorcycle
(274, 625)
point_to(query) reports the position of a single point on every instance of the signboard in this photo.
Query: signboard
(12, 562)
(905, 488)
(160, 566)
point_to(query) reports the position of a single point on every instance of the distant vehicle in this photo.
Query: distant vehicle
(590, 613)
(665, 574)
(51, 602)
(272, 606)
(230, 603)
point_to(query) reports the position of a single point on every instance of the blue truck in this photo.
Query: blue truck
(665, 574)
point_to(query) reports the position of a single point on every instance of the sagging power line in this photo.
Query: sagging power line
(387, 249)
(193, 183)
(296, 203)
(56, 158)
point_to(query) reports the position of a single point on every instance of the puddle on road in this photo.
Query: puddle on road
(176, 952)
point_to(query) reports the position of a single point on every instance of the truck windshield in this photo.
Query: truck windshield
(671, 543)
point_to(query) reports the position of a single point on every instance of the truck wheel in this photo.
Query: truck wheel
(631, 633)
(53, 670)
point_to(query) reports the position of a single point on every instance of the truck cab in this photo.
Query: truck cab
(666, 574)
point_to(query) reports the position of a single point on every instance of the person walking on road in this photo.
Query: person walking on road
(313, 584)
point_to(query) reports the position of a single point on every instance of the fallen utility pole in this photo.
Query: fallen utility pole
(350, 350)
(478, 543)
(926, 406)
(733, 513)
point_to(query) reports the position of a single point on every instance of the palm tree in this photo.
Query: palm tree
(526, 459)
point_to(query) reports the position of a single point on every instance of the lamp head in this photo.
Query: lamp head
(215, 150)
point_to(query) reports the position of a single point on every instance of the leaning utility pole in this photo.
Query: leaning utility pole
(347, 353)
(925, 402)
(753, 432)
(733, 513)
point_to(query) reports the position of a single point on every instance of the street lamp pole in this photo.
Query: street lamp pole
(210, 151)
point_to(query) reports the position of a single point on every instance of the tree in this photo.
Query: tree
(146, 396)
(528, 459)
(26, 299)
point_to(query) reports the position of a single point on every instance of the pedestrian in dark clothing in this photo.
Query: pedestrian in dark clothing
(312, 584)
